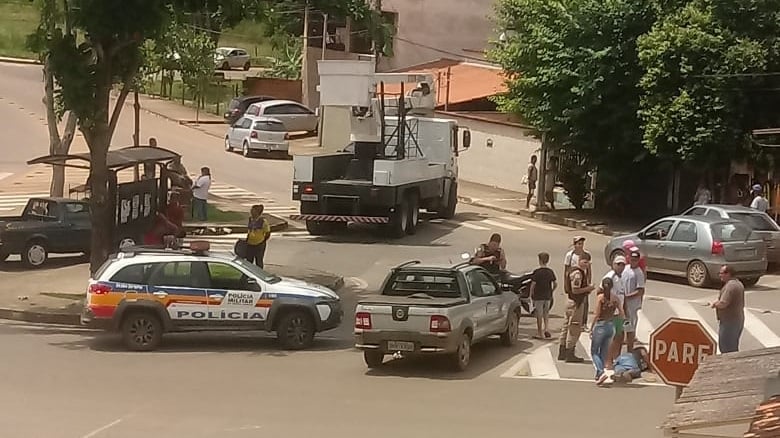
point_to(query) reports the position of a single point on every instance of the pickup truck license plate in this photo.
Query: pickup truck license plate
(309, 197)
(400, 346)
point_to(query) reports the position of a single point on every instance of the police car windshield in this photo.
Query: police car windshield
(254, 269)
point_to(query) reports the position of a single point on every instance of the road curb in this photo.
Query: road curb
(40, 317)
(7, 60)
(545, 216)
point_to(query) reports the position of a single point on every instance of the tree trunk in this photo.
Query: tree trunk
(100, 202)
(57, 187)
(57, 145)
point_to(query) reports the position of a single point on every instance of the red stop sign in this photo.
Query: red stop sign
(677, 348)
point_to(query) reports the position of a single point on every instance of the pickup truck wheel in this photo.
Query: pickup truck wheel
(295, 330)
(141, 331)
(509, 337)
(399, 220)
(448, 212)
(373, 358)
(35, 254)
(319, 228)
(414, 213)
(461, 358)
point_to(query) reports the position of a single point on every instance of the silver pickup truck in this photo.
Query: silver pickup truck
(423, 309)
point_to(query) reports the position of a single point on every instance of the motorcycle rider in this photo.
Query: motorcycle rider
(491, 257)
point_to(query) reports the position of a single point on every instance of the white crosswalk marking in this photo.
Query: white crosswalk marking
(534, 224)
(762, 330)
(466, 225)
(4, 175)
(501, 225)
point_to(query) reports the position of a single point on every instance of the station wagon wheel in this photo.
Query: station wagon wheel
(462, 357)
(509, 337)
(696, 274)
(141, 331)
(35, 254)
(228, 148)
(373, 358)
(295, 330)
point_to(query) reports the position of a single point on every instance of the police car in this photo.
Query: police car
(145, 292)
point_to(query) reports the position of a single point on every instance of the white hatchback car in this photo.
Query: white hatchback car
(256, 134)
(295, 116)
(228, 58)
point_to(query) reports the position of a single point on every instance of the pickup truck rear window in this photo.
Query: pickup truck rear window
(435, 285)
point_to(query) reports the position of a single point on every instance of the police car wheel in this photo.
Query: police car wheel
(295, 330)
(141, 331)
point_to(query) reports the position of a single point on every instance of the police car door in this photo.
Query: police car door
(180, 287)
(233, 299)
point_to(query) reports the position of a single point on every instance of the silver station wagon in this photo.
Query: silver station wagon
(696, 247)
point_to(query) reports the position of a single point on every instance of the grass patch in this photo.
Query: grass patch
(18, 19)
(227, 216)
(216, 96)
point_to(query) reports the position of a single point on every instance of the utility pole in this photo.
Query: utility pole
(324, 34)
(305, 55)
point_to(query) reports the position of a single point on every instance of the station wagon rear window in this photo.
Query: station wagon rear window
(437, 285)
(756, 221)
(270, 126)
(730, 232)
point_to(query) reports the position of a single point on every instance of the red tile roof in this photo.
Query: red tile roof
(766, 423)
(468, 81)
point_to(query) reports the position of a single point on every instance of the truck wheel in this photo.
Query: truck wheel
(141, 331)
(414, 213)
(461, 358)
(373, 358)
(295, 330)
(399, 220)
(35, 254)
(318, 228)
(509, 337)
(448, 212)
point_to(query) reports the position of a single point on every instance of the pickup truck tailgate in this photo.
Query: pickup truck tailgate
(404, 314)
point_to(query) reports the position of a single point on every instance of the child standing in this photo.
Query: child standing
(543, 284)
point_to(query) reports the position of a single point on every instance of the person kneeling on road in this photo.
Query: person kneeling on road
(577, 292)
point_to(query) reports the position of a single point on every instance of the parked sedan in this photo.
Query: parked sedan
(696, 247)
(254, 134)
(295, 116)
(227, 58)
(760, 222)
(238, 106)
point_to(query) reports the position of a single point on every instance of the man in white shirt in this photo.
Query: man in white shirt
(200, 195)
(621, 278)
(759, 203)
(634, 295)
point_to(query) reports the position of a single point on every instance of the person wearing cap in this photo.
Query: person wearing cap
(759, 202)
(571, 261)
(635, 292)
(620, 277)
(577, 292)
(628, 247)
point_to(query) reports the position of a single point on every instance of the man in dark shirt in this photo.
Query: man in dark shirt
(543, 283)
(730, 309)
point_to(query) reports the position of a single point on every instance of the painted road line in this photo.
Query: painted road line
(585, 342)
(501, 225)
(530, 223)
(4, 175)
(541, 364)
(760, 331)
(7, 208)
(19, 196)
(466, 225)
(684, 309)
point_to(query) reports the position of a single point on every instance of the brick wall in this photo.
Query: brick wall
(286, 89)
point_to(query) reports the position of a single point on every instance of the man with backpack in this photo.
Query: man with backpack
(577, 289)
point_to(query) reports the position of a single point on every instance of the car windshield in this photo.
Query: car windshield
(222, 51)
(267, 277)
(730, 232)
(756, 221)
(437, 285)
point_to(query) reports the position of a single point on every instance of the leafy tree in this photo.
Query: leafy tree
(195, 50)
(103, 51)
(572, 71)
(287, 62)
(700, 97)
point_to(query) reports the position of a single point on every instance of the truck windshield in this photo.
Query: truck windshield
(437, 285)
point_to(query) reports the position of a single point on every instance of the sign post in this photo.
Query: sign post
(677, 348)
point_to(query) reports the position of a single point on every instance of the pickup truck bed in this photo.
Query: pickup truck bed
(411, 301)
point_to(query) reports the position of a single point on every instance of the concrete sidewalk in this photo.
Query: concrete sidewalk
(55, 293)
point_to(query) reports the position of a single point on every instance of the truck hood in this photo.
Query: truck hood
(410, 301)
(299, 287)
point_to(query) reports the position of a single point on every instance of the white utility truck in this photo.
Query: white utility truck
(396, 162)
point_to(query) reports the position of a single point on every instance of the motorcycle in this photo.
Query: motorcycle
(519, 284)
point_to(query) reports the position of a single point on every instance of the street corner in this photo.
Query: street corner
(44, 308)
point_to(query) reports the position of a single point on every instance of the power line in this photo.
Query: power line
(445, 52)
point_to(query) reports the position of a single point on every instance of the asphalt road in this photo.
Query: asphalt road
(73, 383)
